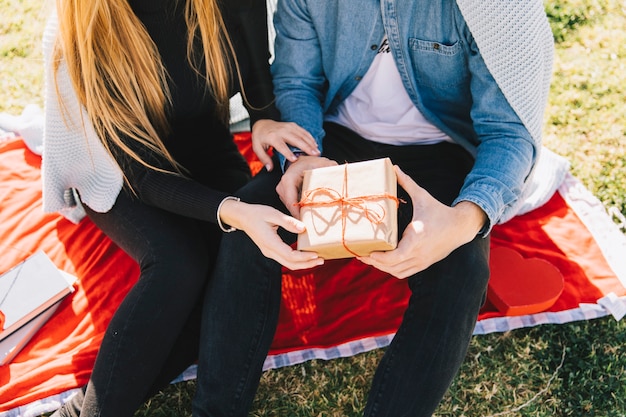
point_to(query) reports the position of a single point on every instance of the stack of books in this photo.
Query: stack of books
(30, 293)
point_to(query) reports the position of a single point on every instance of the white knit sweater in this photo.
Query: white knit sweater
(516, 43)
(514, 38)
(73, 156)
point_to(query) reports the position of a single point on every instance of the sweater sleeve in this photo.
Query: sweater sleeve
(179, 195)
(175, 193)
(73, 156)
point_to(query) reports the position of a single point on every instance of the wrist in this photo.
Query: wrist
(472, 217)
(224, 221)
(297, 154)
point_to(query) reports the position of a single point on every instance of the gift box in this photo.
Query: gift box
(349, 210)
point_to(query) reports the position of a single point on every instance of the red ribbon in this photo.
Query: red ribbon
(345, 203)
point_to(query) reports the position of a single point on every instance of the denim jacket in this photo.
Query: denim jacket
(324, 48)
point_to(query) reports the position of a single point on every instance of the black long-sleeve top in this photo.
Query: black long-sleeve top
(199, 140)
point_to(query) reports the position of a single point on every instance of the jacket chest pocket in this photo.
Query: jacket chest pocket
(437, 64)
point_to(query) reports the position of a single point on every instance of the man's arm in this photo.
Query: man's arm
(298, 75)
(506, 151)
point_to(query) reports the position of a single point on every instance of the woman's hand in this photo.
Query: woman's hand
(261, 223)
(268, 134)
(434, 232)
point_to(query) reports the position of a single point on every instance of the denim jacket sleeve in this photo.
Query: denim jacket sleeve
(300, 98)
(505, 153)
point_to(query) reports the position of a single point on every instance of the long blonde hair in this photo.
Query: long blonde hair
(118, 75)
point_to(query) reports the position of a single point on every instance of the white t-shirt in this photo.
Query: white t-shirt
(379, 108)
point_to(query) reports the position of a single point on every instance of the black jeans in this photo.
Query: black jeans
(153, 335)
(430, 344)
(240, 315)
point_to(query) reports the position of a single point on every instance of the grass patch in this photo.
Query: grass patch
(21, 62)
(566, 17)
(586, 115)
(576, 369)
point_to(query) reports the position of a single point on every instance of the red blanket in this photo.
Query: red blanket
(340, 309)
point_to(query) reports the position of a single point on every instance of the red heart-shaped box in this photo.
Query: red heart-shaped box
(520, 286)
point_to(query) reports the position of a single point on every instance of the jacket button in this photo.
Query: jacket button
(358, 78)
(374, 47)
(436, 47)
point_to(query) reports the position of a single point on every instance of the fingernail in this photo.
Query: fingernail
(268, 167)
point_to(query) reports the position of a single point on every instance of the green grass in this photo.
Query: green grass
(21, 77)
(576, 369)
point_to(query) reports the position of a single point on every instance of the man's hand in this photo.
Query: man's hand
(290, 184)
(434, 232)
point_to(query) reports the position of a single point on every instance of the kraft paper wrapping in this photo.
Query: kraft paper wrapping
(349, 210)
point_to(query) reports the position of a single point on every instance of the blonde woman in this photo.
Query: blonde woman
(137, 138)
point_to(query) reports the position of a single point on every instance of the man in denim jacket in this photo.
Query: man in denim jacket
(453, 92)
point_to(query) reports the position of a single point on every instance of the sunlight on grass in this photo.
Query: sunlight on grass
(587, 112)
(21, 61)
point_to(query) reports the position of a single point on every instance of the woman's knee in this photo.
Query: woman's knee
(186, 259)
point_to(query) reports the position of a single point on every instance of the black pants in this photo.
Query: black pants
(430, 344)
(154, 334)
